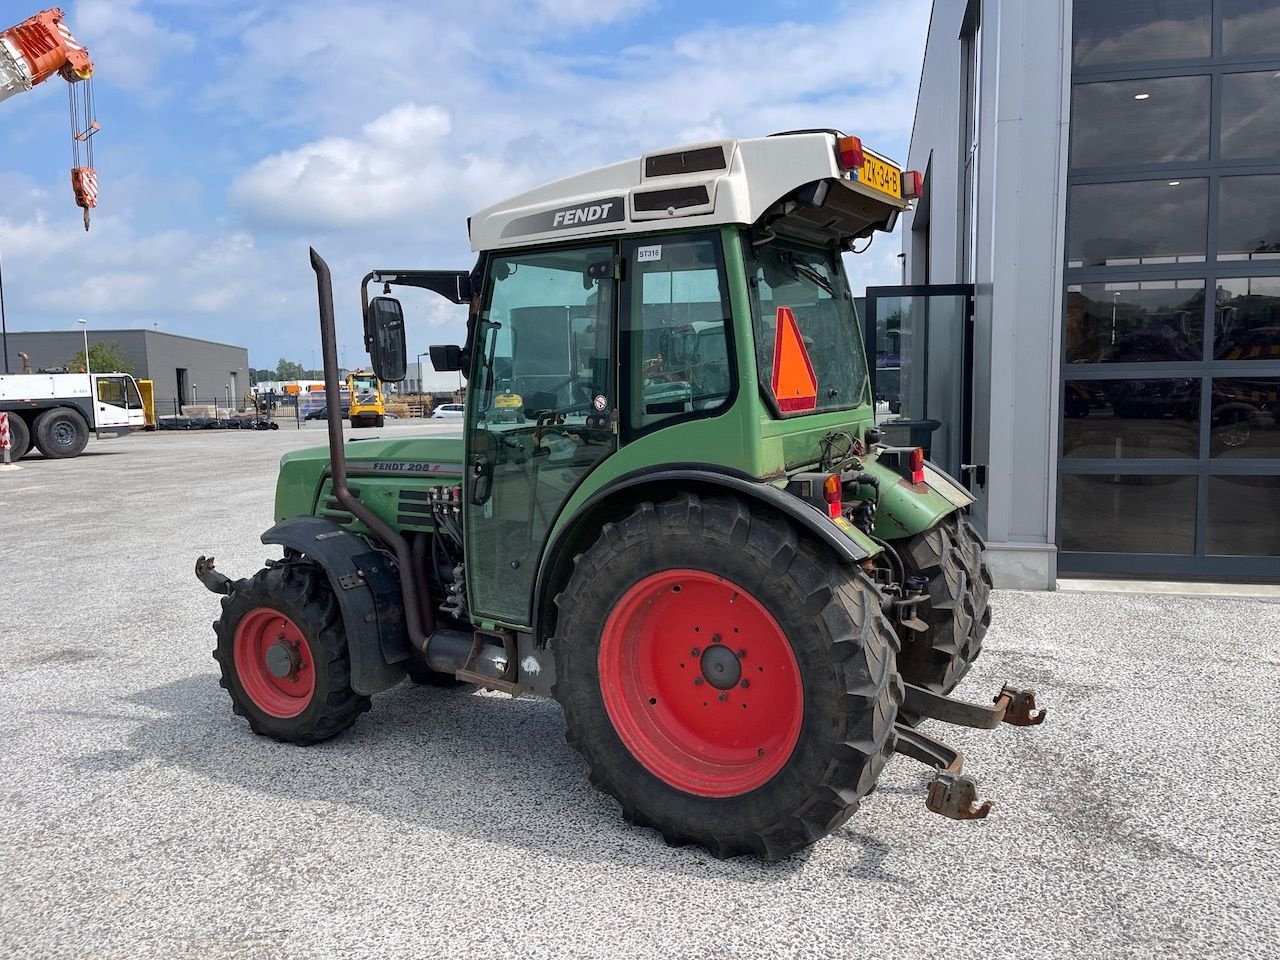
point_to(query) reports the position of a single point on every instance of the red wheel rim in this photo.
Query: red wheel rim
(701, 683)
(274, 663)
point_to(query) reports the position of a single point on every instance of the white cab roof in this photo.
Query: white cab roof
(704, 184)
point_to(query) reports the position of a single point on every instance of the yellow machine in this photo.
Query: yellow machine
(147, 390)
(508, 407)
(367, 408)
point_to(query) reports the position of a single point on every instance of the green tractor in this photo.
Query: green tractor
(689, 533)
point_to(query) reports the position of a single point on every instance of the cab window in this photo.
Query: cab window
(112, 390)
(675, 334)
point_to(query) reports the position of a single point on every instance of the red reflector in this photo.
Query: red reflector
(849, 150)
(831, 493)
(912, 184)
(916, 463)
(794, 384)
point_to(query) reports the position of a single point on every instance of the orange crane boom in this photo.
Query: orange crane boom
(30, 54)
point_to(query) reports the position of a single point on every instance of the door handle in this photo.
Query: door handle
(481, 480)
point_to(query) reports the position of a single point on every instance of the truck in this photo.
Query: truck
(689, 531)
(56, 412)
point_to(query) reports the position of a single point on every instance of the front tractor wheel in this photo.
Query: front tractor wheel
(283, 654)
(951, 557)
(728, 683)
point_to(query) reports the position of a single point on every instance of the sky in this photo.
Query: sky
(236, 134)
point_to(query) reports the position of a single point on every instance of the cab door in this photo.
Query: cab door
(539, 411)
(112, 396)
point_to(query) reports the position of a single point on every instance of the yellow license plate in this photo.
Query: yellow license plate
(881, 176)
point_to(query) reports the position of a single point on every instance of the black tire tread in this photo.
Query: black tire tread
(19, 438)
(958, 609)
(842, 604)
(301, 590)
(42, 435)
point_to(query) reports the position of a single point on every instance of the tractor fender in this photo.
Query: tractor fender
(907, 508)
(612, 501)
(367, 587)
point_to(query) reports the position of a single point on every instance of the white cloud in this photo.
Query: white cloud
(129, 48)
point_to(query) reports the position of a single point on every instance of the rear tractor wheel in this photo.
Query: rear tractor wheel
(283, 654)
(726, 681)
(951, 557)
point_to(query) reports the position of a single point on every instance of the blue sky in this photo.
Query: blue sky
(235, 134)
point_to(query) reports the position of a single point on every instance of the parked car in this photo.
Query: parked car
(323, 414)
(447, 411)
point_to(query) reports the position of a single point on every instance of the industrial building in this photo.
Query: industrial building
(185, 371)
(1091, 335)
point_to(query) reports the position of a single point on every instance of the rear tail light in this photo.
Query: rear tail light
(916, 463)
(912, 184)
(831, 492)
(849, 150)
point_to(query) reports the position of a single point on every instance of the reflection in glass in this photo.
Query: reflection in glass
(1123, 31)
(1139, 222)
(1251, 114)
(1246, 319)
(1250, 26)
(1244, 517)
(1249, 218)
(1135, 322)
(1243, 419)
(1140, 121)
(1121, 419)
(1128, 514)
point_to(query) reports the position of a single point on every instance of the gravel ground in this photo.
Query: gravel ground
(139, 818)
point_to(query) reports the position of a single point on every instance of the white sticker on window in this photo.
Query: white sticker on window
(645, 254)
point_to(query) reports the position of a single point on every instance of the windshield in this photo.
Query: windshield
(810, 282)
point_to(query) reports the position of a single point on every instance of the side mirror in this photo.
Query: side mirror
(385, 323)
(445, 357)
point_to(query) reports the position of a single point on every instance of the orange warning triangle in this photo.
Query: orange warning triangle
(794, 385)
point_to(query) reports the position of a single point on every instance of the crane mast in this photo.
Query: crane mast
(32, 52)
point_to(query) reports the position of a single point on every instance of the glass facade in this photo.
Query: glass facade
(1170, 458)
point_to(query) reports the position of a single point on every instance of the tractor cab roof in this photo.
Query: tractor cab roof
(809, 183)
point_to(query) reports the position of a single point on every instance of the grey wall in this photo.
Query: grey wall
(154, 355)
(1021, 165)
(56, 347)
(209, 368)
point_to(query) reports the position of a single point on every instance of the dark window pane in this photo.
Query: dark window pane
(1106, 419)
(1140, 222)
(1251, 115)
(1250, 26)
(1249, 218)
(1123, 31)
(1244, 516)
(1135, 322)
(1128, 514)
(1243, 421)
(1140, 121)
(1246, 322)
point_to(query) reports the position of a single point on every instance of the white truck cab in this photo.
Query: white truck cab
(56, 412)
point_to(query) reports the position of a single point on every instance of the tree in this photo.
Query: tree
(103, 358)
(288, 370)
(259, 376)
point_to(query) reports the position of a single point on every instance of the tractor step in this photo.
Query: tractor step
(1011, 705)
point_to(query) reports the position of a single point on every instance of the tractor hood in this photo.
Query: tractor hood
(304, 471)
